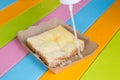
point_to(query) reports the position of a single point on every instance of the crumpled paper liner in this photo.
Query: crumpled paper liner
(90, 47)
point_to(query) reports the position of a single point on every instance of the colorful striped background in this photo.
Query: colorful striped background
(97, 19)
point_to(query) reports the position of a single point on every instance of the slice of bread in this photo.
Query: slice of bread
(55, 46)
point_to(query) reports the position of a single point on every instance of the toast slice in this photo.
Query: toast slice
(55, 46)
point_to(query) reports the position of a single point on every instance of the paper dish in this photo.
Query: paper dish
(90, 47)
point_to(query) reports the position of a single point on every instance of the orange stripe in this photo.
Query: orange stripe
(16, 9)
(101, 32)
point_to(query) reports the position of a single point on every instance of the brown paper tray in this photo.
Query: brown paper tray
(90, 47)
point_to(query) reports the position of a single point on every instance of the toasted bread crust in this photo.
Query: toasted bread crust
(54, 61)
(57, 61)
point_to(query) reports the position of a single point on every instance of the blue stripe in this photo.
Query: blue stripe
(31, 69)
(90, 13)
(6, 3)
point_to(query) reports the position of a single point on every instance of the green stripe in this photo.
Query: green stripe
(107, 65)
(8, 32)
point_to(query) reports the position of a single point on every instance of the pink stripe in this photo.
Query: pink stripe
(63, 13)
(11, 54)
